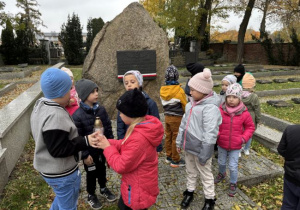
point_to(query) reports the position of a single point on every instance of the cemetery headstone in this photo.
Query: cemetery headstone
(132, 30)
(279, 103)
(226, 72)
(296, 100)
(280, 80)
(259, 81)
(216, 84)
(294, 79)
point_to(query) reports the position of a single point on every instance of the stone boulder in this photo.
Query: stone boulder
(133, 29)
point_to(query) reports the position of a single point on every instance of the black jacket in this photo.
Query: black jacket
(84, 119)
(289, 148)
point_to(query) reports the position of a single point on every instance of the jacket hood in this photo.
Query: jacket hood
(248, 100)
(167, 92)
(152, 129)
(213, 99)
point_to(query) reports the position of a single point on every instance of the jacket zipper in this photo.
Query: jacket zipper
(230, 133)
(187, 124)
(129, 194)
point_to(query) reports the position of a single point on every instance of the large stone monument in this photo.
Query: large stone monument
(131, 31)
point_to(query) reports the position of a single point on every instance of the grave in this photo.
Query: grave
(280, 80)
(279, 103)
(263, 81)
(132, 30)
(296, 100)
(216, 84)
(294, 79)
(226, 72)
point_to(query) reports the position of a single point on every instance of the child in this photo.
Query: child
(197, 136)
(57, 143)
(134, 157)
(173, 100)
(289, 148)
(74, 100)
(236, 129)
(226, 81)
(239, 72)
(134, 79)
(251, 101)
(94, 160)
(193, 68)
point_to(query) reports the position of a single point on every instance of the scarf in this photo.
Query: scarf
(233, 110)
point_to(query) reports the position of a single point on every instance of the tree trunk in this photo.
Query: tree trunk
(203, 22)
(262, 28)
(242, 31)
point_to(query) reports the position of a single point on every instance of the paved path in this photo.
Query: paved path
(172, 182)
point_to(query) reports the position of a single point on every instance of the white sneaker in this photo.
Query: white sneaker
(240, 154)
(246, 151)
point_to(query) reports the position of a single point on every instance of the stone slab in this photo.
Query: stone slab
(280, 80)
(294, 79)
(290, 91)
(260, 81)
(296, 100)
(274, 122)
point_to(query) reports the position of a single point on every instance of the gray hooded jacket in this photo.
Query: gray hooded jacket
(199, 127)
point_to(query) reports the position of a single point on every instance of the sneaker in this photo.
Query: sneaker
(168, 160)
(94, 202)
(240, 154)
(232, 190)
(246, 151)
(180, 163)
(108, 195)
(220, 177)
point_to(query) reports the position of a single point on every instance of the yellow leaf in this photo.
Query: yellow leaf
(236, 207)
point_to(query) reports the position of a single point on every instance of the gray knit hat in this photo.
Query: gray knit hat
(84, 87)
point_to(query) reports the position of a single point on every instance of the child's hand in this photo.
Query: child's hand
(178, 149)
(103, 142)
(88, 161)
(93, 139)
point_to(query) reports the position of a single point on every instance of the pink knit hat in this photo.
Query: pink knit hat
(235, 90)
(68, 71)
(202, 82)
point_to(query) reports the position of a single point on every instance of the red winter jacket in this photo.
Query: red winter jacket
(236, 130)
(137, 161)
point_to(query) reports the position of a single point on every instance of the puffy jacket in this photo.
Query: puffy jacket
(235, 131)
(173, 99)
(253, 105)
(137, 161)
(289, 148)
(199, 127)
(84, 119)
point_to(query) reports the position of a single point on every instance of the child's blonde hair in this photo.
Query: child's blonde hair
(131, 127)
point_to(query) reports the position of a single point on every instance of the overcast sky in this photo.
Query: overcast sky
(55, 12)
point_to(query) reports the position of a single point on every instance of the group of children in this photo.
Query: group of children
(63, 116)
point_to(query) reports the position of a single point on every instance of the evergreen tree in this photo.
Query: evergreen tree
(93, 27)
(8, 44)
(22, 42)
(71, 39)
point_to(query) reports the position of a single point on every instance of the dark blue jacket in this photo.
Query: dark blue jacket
(152, 110)
(84, 119)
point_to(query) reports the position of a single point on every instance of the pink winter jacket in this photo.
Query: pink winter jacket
(137, 161)
(235, 131)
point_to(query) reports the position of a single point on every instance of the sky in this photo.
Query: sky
(55, 12)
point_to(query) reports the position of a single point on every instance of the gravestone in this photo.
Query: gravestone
(226, 72)
(215, 73)
(216, 84)
(294, 79)
(132, 30)
(279, 103)
(280, 80)
(261, 81)
(296, 100)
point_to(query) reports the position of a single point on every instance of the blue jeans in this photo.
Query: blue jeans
(233, 158)
(291, 196)
(66, 190)
(248, 144)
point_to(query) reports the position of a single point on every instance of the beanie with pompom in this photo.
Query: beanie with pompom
(202, 82)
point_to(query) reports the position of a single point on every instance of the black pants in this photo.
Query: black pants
(122, 205)
(99, 173)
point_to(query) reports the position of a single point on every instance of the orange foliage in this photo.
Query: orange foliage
(232, 35)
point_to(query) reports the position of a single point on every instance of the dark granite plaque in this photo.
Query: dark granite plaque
(142, 60)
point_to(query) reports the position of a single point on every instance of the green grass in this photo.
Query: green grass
(77, 73)
(2, 85)
(290, 114)
(267, 195)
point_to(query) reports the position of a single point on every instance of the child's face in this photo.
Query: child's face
(93, 97)
(127, 120)
(63, 101)
(130, 82)
(232, 101)
(237, 74)
(225, 85)
(197, 96)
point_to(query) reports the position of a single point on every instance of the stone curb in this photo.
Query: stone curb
(290, 91)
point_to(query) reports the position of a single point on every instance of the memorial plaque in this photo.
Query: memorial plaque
(141, 60)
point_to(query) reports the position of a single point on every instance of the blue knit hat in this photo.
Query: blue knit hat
(55, 83)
